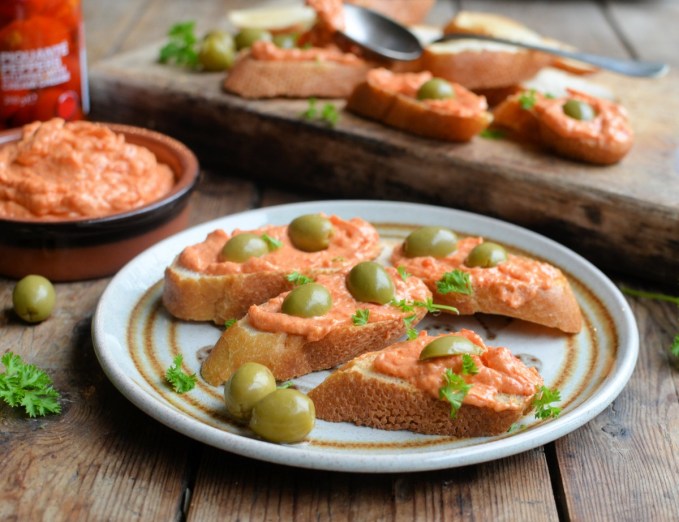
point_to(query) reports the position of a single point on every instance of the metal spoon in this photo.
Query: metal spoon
(389, 39)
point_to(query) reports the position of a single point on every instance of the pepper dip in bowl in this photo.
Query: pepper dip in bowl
(80, 199)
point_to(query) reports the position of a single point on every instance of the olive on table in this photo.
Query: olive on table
(249, 35)
(430, 241)
(285, 415)
(449, 345)
(369, 282)
(309, 300)
(436, 89)
(310, 232)
(217, 51)
(250, 383)
(242, 247)
(486, 255)
(579, 110)
(33, 298)
(285, 40)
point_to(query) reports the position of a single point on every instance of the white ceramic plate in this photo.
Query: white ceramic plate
(136, 340)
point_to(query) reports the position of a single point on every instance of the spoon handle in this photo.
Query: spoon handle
(622, 66)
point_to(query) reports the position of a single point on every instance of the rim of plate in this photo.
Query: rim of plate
(297, 455)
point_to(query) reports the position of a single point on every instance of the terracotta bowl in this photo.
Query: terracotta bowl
(80, 249)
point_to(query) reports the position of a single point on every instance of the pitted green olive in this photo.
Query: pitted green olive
(579, 110)
(242, 247)
(217, 51)
(309, 300)
(247, 36)
(285, 40)
(430, 241)
(486, 255)
(449, 345)
(33, 298)
(285, 415)
(435, 89)
(311, 232)
(247, 386)
(369, 282)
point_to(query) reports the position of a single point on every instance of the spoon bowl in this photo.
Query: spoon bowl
(379, 34)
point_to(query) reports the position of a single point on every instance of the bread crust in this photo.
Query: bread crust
(355, 394)
(289, 356)
(555, 307)
(404, 112)
(255, 79)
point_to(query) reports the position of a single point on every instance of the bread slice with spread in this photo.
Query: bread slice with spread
(461, 388)
(420, 104)
(474, 275)
(212, 281)
(321, 324)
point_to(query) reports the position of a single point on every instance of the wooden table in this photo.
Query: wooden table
(103, 459)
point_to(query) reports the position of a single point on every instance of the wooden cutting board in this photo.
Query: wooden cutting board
(624, 218)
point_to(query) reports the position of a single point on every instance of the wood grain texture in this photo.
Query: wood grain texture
(233, 488)
(103, 459)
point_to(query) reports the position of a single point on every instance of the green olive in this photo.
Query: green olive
(309, 300)
(285, 415)
(579, 110)
(285, 40)
(247, 36)
(248, 385)
(33, 298)
(430, 241)
(311, 232)
(217, 51)
(486, 255)
(369, 282)
(449, 345)
(435, 89)
(242, 247)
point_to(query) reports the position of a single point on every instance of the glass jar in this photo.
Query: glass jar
(42, 61)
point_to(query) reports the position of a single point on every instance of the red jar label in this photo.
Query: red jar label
(42, 65)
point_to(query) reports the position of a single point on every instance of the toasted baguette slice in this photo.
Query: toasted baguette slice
(520, 287)
(604, 140)
(484, 65)
(390, 98)
(293, 346)
(208, 289)
(361, 393)
(269, 72)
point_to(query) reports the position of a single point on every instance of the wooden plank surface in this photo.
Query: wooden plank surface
(103, 459)
(599, 211)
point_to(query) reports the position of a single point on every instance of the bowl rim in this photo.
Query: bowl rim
(183, 186)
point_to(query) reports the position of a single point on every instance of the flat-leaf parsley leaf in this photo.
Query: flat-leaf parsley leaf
(542, 403)
(181, 47)
(454, 391)
(28, 386)
(298, 279)
(361, 317)
(181, 382)
(468, 365)
(457, 281)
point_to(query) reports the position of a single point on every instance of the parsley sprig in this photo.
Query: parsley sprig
(454, 391)
(361, 317)
(28, 386)
(271, 242)
(457, 281)
(298, 279)
(542, 402)
(328, 113)
(229, 323)
(181, 382)
(527, 99)
(469, 367)
(181, 46)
